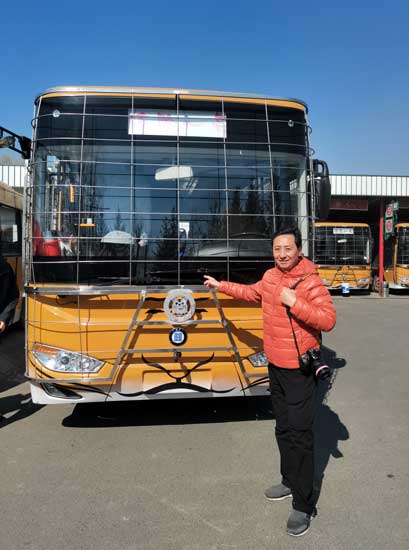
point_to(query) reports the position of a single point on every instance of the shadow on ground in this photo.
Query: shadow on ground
(19, 405)
(12, 358)
(169, 411)
(329, 430)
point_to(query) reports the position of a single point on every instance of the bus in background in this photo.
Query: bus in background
(135, 194)
(11, 204)
(342, 252)
(396, 260)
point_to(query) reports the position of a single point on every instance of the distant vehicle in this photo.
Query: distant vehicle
(11, 206)
(396, 260)
(342, 252)
(242, 245)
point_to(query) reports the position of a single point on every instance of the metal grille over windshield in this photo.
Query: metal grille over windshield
(160, 190)
(342, 245)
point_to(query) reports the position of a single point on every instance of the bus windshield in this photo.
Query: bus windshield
(142, 190)
(403, 246)
(342, 245)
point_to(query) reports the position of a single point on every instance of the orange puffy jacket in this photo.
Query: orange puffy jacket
(312, 313)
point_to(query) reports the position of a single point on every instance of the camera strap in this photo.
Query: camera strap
(295, 339)
(292, 287)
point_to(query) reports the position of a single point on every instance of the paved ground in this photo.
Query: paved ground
(180, 475)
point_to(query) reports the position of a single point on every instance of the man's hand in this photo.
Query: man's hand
(2, 326)
(211, 282)
(288, 297)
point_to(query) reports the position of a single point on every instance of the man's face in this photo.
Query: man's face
(285, 252)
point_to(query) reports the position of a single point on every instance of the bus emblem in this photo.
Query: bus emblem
(179, 305)
(177, 336)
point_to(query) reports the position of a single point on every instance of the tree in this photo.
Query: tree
(166, 249)
(119, 225)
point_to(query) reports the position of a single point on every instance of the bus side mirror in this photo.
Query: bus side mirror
(9, 141)
(322, 189)
(25, 146)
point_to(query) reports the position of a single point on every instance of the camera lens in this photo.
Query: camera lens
(323, 372)
(319, 368)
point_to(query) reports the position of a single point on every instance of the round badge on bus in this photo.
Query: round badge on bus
(177, 336)
(179, 305)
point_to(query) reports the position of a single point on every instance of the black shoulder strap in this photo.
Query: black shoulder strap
(292, 287)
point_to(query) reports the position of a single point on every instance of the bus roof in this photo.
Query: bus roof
(182, 92)
(10, 197)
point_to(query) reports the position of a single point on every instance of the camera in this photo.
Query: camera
(312, 363)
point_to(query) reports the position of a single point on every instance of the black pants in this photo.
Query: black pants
(293, 396)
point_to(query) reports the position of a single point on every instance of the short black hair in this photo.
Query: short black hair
(290, 231)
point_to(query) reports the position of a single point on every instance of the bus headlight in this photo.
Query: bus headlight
(62, 360)
(363, 281)
(404, 280)
(258, 359)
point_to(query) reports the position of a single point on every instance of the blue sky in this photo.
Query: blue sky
(348, 60)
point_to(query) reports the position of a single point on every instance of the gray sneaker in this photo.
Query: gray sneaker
(298, 523)
(277, 492)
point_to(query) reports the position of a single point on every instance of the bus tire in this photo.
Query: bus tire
(375, 283)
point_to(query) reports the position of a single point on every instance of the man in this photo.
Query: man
(8, 294)
(8, 297)
(292, 392)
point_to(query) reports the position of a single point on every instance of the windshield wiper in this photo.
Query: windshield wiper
(111, 281)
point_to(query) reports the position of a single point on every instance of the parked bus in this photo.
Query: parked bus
(136, 194)
(342, 252)
(396, 260)
(11, 204)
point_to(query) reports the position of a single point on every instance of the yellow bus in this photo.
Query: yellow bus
(342, 252)
(11, 205)
(396, 260)
(135, 194)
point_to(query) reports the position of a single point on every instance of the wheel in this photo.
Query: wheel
(375, 283)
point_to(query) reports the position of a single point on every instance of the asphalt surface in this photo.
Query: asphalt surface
(191, 475)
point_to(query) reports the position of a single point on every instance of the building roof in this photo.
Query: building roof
(369, 186)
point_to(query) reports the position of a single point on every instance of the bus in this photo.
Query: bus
(11, 206)
(396, 260)
(134, 195)
(342, 252)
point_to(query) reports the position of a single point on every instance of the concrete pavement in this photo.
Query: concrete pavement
(191, 475)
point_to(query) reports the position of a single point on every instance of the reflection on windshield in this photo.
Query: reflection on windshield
(110, 204)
